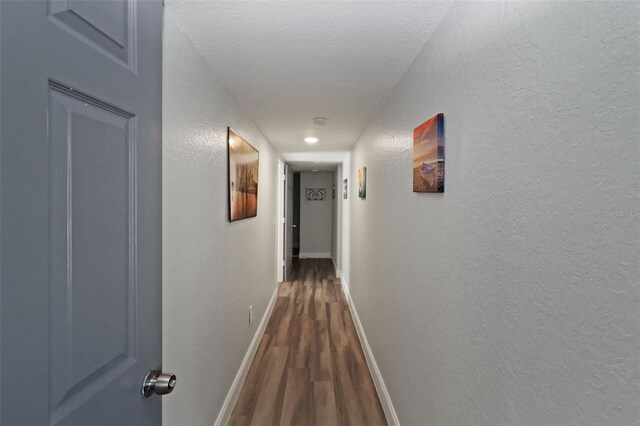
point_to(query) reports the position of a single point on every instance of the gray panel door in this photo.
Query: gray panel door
(80, 206)
(288, 253)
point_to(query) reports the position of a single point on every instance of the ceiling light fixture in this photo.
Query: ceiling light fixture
(320, 121)
(310, 139)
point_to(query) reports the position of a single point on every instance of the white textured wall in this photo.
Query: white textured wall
(512, 298)
(315, 216)
(213, 270)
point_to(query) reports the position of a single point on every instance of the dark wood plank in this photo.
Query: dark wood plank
(309, 368)
(325, 404)
(329, 291)
(238, 421)
(318, 303)
(352, 342)
(248, 396)
(269, 405)
(297, 407)
(336, 328)
(342, 301)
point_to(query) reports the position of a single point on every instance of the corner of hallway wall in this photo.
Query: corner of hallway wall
(213, 270)
(511, 298)
(345, 224)
(336, 222)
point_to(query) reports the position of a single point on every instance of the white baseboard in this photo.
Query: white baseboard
(383, 394)
(345, 287)
(314, 255)
(232, 396)
(338, 271)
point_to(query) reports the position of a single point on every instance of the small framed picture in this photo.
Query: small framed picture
(362, 183)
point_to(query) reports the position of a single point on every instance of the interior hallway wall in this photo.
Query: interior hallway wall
(345, 223)
(315, 216)
(212, 269)
(336, 221)
(512, 298)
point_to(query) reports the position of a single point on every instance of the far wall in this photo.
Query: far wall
(315, 216)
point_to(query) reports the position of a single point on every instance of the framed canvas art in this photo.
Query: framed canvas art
(428, 155)
(345, 188)
(243, 162)
(362, 183)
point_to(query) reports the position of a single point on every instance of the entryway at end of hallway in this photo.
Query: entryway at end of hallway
(309, 368)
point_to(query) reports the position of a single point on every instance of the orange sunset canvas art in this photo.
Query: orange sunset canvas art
(428, 155)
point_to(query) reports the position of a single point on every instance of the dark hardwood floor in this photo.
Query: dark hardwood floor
(309, 368)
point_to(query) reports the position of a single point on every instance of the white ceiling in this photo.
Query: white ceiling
(289, 61)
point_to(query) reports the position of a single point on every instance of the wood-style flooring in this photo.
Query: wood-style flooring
(309, 368)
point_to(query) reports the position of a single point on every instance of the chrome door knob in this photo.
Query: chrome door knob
(158, 382)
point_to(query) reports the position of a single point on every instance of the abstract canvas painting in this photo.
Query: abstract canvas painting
(428, 155)
(362, 183)
(243, 178)
(345, 189)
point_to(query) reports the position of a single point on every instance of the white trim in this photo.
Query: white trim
(383, 394)
(232, 396)
(338, 271)
(280, 225)
(314, 255)
(345, 287)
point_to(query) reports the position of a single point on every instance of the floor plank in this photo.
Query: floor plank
(297, 405)
(309, 368)
(269, 405)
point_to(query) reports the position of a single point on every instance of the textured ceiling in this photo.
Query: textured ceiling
(289, 61)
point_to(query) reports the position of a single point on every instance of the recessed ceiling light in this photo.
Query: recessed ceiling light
(310, 139)
(320, 121)
(314, 170)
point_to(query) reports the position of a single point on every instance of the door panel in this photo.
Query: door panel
(107, 25)
(91, 192)
(80, 211)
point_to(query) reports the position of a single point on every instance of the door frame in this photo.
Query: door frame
(281, 183)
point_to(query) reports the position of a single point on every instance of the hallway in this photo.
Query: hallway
(319, 212)
(309, 368)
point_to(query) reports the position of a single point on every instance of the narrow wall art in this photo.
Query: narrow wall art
(345, 188)
(428, 155)
(243, 177)
(362, 183)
